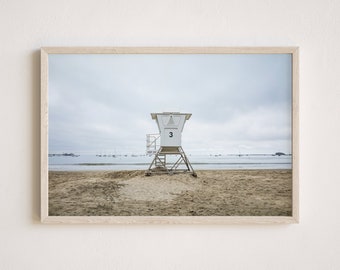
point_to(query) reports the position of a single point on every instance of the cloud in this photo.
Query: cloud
(99, 102)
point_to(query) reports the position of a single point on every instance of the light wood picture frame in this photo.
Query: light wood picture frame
(92, 94)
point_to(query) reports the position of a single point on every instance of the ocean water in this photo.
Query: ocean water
(142, 162)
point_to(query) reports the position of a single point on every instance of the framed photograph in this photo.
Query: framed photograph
(185, 135)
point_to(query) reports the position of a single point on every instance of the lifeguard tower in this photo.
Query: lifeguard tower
(170, 126)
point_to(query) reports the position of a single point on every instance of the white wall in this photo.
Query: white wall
(25, 26)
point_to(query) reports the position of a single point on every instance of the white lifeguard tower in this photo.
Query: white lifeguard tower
(170, 126)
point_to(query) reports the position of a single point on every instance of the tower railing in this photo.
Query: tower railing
(152, 143)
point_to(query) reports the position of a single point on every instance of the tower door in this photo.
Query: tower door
(171, 137)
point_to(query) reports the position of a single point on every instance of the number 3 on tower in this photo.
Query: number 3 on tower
(171, 134)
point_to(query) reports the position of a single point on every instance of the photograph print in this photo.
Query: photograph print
(169, 133)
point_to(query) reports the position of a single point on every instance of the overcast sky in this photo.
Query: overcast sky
(240, 103)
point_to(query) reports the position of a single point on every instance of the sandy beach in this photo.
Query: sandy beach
(131, 193)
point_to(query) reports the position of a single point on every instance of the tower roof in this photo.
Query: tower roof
(187, 115)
